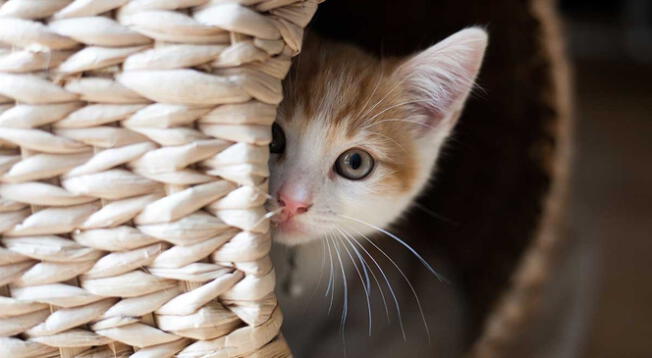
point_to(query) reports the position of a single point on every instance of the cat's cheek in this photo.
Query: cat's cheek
(381, 212)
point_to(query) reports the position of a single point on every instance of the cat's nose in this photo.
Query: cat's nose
(292, 206)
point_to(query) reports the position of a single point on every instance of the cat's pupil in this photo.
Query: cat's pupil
(355, 161)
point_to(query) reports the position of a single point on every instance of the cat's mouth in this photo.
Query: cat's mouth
(289, 226)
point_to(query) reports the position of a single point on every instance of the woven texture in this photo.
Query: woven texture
(133, 166)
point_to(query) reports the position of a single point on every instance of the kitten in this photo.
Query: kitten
(356, 141)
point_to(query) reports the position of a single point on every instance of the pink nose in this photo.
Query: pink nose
(291, 206)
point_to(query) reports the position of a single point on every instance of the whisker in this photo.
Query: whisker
(272, 213)
(265, 193)
(391, 140)
(389, 285)
(414, 292)
(374, 90)
(267, 216)
(392, 107)
(402, 120)
(397, 85)
(350, 238)
(367, 281)
(331, 279)
(321, 275)
(365, 288)
(435, 215)
(345, 306)
(323, 261)
(400, 241)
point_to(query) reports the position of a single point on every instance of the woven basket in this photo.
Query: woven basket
(133, 166)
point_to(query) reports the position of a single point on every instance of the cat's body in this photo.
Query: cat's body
(314, 332)
(357, 140)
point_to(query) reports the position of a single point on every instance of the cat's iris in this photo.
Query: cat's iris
(277, 145)
(354, 164)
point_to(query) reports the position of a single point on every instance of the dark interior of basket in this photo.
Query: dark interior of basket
(493, 178)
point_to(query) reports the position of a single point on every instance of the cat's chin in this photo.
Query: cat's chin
(290, 237)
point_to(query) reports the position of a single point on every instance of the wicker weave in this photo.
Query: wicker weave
(133, 165)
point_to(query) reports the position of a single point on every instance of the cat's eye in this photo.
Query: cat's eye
(354, 164)
(277, 145)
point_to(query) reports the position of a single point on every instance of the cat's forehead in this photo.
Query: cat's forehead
(317, 135)
(341, 85)
(346, 105)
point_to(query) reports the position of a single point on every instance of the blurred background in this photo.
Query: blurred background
(610, 44)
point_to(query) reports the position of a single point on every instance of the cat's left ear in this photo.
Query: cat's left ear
(440, 78)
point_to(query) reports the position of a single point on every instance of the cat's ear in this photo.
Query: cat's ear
(440, 78)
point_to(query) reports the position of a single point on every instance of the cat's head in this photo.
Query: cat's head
(357, 138)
